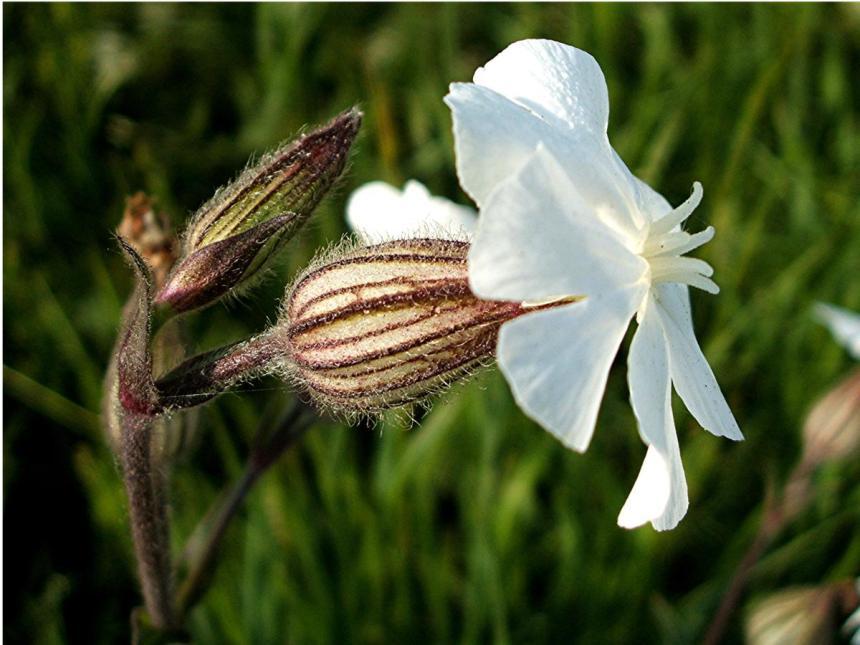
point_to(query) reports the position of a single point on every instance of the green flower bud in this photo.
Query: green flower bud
(233, 235)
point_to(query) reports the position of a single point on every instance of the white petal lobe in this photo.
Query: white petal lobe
(651, 203)
(377, 212)
(561, 83)
(648, 378)
(843, 324)
(538, 239)
(373, 209)
(494, 137)
(692, 376)
(660, 493)
(557, 362)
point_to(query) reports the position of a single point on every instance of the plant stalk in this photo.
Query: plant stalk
(268, 447)
(777, 513)
(149, 524)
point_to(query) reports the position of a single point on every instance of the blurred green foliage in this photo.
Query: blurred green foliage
(475, 526)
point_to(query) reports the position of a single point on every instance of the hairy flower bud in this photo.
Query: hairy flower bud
(231, 236)
(380, 326)
(796, 615)
(832, 429)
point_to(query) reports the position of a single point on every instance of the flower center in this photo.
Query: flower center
(666, 245)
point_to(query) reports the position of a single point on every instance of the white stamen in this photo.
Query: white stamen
(672, 219)
(666, 245)
(675, 264)
(677, 243)
(703, 283)
(691, 271)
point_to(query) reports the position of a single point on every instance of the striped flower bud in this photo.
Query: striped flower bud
(832, 430)
(232, 236)
(384, 325)
(798, 614)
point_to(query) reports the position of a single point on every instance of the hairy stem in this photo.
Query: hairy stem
(202, 377)
(149, 524)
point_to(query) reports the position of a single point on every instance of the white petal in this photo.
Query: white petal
(537, 239)
(453, 218)
(378, 211)
(557, 362)
(648, 377)
(556, 81)
(494, 137)
(415, 191)
(374, 208)
(692, 376)
(660, 493)
(843, 324)
(652, 203)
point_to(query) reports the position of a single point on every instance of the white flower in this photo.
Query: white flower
(378, 212)
(562, 216)
(843, 324)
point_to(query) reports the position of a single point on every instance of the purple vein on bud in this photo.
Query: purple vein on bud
(389, 324)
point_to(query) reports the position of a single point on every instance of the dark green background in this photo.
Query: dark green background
(476, 526)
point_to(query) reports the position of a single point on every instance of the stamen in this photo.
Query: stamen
(691, 271)
(672, 219)
(678, 243)
(703, 283)
(675, 264)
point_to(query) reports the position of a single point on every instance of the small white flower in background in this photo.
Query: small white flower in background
(562, 216)
(379, 212)
(843, 324)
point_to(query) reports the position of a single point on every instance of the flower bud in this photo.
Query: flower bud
(832, 429)
(231, 237)
(384, 325)
(797, 615)
(149, 233)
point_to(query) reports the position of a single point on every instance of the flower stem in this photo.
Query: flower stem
(200, 378)
(778, 511)
(741, 576)
(149, 524)
(268, 447)
(200, 575)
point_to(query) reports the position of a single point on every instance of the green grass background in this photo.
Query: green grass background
(475, 526)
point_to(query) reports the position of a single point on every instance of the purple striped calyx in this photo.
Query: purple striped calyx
(380, 326)
(233, 235)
